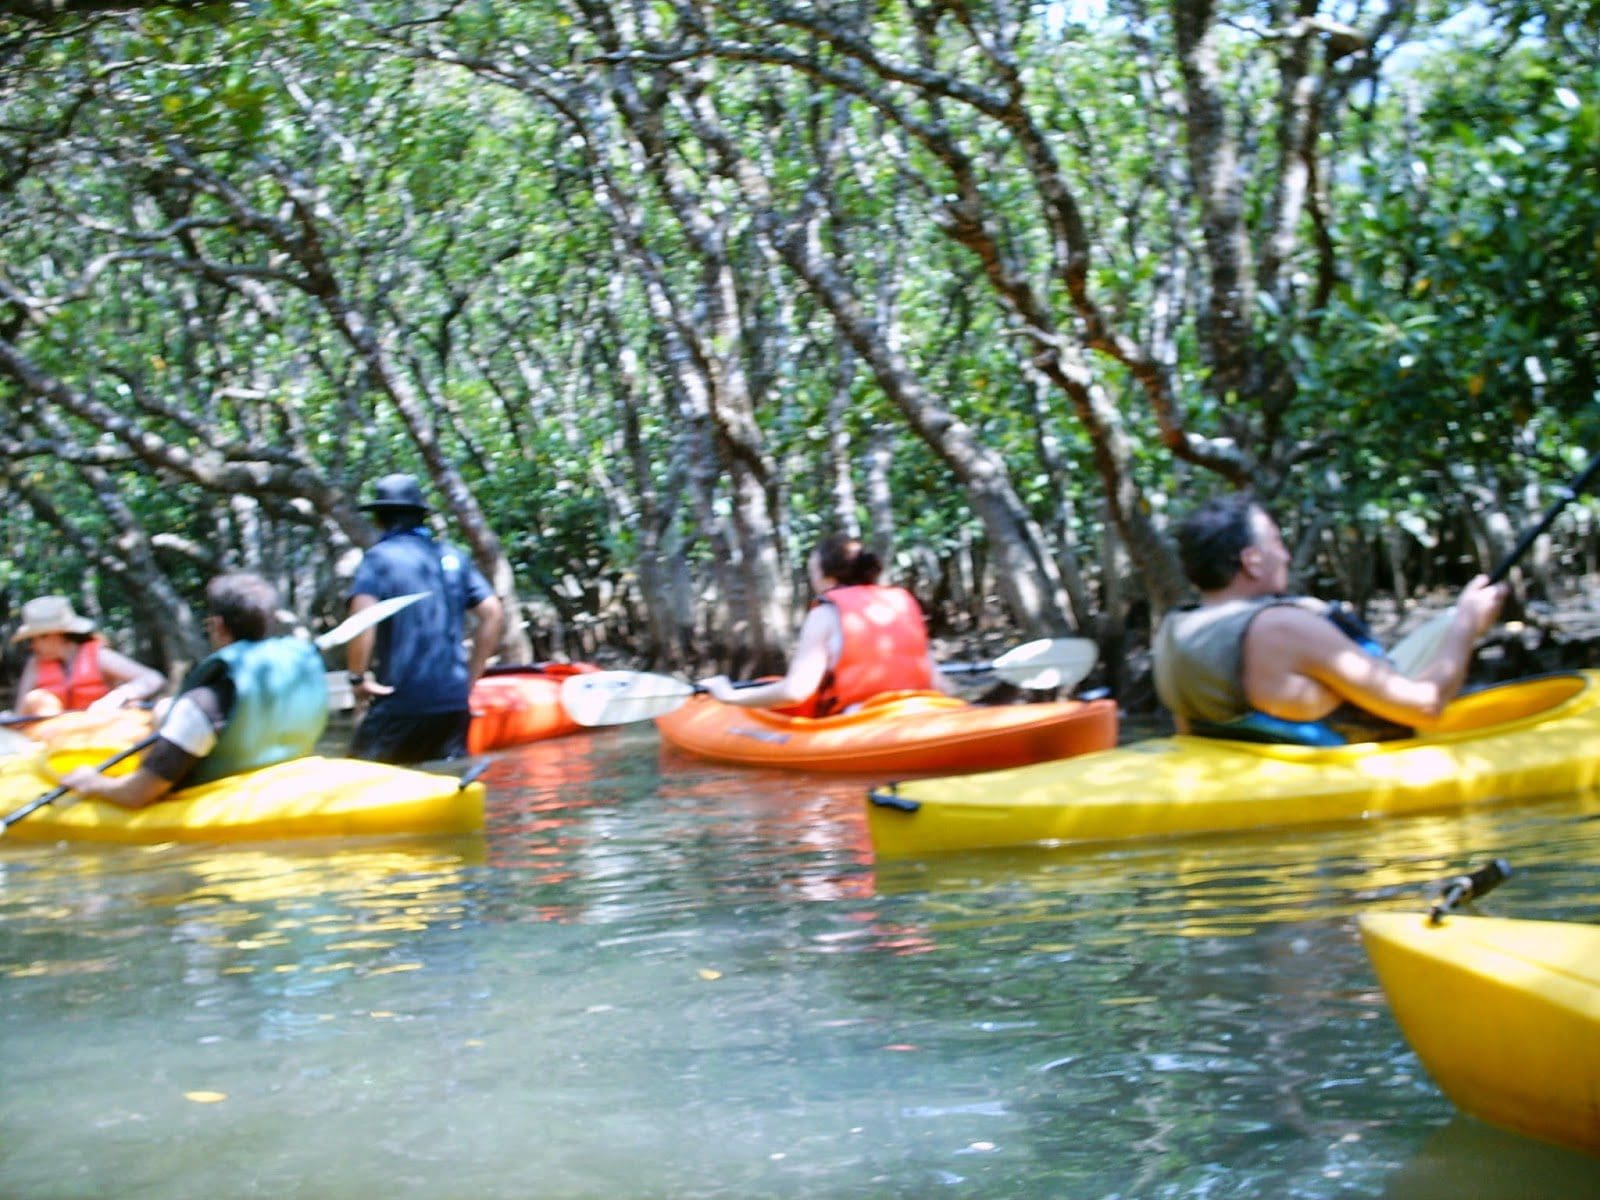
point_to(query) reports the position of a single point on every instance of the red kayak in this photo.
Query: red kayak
(515, 705)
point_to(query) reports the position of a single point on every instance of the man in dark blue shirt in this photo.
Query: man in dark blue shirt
(414, 669)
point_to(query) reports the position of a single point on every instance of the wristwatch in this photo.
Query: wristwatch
(357, 678)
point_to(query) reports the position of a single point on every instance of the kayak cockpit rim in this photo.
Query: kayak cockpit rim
(1501, 707)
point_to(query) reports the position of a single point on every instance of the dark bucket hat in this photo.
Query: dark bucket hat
(396, 491)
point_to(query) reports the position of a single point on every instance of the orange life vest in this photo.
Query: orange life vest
(884, 647)
(79, 689)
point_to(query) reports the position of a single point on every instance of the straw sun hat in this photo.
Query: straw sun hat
(50, 614)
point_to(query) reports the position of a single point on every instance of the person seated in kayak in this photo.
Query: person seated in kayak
(1250, 661)
(70, 668)
(859, 640)
(254, 701)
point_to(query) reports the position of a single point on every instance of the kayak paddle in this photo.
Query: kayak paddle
(61, 790)
(621, 697)
(1412, 653)
(356, 624)
(1037, 666)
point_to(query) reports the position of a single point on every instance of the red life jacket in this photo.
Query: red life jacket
(82, 687)
(884, 647)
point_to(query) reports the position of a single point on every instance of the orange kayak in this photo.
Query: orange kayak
(511, 707)
(898, 731)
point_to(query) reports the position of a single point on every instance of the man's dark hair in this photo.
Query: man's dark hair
(246, 603)
(1213, 536)
(843, 558)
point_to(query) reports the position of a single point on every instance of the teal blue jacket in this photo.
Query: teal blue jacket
(280, 705)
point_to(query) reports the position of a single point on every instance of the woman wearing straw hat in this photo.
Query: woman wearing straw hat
(69, 669)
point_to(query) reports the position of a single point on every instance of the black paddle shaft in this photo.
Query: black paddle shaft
(56, 793)
(960, 668)
(1568, 494)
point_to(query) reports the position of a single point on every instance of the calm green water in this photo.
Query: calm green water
(653, 978)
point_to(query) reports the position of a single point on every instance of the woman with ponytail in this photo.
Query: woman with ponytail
(860, 639)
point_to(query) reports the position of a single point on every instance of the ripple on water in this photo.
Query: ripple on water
(655, 978)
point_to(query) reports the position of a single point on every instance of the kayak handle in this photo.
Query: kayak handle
(470, 775)
(889, 798)
(1463, 888)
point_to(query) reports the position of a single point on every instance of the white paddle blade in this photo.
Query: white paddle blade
(1412, 653)
(12, 742)
(621, 697)
(358, 623)
(1048, 663)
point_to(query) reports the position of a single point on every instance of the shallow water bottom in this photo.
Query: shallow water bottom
(659, 978)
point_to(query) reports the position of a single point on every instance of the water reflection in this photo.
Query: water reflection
(772, 832)
(656, 978)
(301, 910)
(1467, 1158)
(1231, 885)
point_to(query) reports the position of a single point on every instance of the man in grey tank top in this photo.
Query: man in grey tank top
(1248, 647)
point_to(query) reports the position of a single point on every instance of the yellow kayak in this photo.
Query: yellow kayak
(1517, 741)
(1504, 1014)
(305, 798)
(65, 731)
